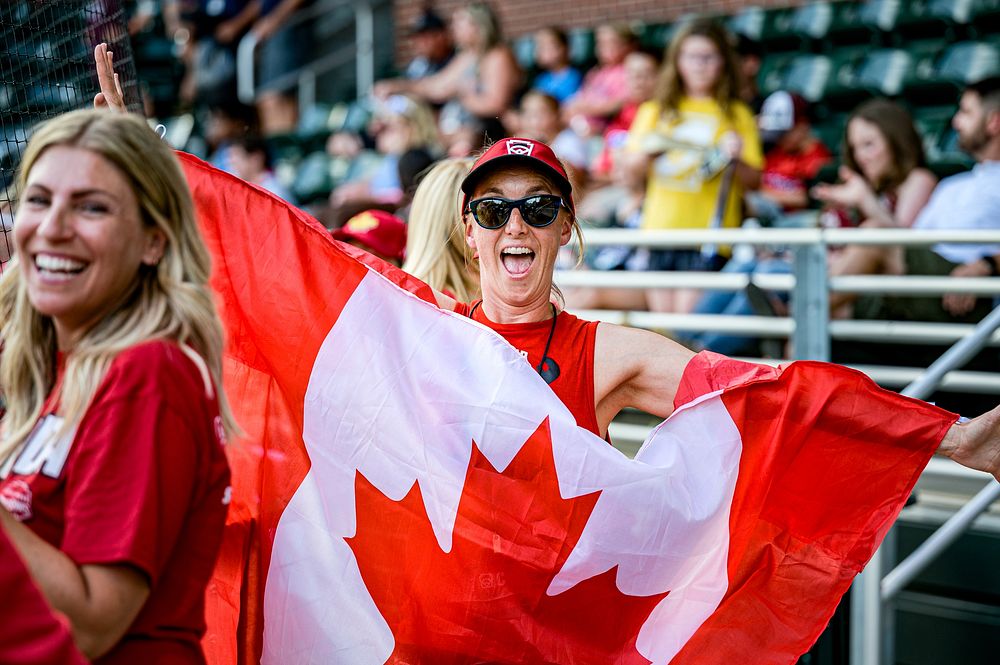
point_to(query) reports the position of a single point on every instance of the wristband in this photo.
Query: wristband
(991, 261)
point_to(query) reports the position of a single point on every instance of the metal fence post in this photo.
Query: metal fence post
(811, 304)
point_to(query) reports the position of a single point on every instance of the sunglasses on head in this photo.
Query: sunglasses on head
(538, 211)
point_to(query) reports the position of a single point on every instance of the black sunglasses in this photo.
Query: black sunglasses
(538, 211)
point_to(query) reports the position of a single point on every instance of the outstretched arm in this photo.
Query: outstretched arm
(636, 368)
(976, 443)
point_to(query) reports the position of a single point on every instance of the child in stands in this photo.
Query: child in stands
(698, 148)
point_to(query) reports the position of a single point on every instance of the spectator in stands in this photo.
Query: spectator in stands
(114, 478)
(793, 156)
(436, 251)
(603, 91)
(751, 55)
(698, 148)
(961, 202)
(480, 82)
(378, 232)
(432, 46)
(285, 47)
(251, 161)
(641, 67)
(558, 77)
(401, 124)
(225, 122)
(540, 120)
(884, 178)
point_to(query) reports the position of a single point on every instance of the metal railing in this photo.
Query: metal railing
(360, 51)
(872, 637)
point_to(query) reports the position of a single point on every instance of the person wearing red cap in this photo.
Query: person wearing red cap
(518, 211)
(378, 232)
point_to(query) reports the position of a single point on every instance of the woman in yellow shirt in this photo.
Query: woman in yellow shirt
(697, 147)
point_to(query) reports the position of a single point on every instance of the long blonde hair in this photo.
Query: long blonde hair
(436, 251)
(670, 87)
(170, 301)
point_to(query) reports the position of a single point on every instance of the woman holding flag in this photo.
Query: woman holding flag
(518, 210)
(749, 529)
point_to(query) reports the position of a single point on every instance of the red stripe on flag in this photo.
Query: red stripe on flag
(281, 282)
(828, 461)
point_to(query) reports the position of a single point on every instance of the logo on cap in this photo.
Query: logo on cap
(518, 147)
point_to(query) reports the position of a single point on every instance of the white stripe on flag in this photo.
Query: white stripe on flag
(399, 390)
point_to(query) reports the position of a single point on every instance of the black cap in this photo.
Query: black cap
(428, 21)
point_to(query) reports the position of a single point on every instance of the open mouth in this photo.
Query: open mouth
(517, 260)
(57, 268)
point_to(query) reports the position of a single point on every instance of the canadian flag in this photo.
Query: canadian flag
(410, 491)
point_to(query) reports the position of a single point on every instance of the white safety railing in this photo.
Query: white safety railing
(811, 330)
(360, 50)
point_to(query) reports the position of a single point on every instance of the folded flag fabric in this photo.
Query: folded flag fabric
(410, 491)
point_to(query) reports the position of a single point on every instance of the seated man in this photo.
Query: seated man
(967, 201)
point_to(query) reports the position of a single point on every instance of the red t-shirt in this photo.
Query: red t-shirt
(572, 350)
(143, 481)
(788, 171)
(30, 634)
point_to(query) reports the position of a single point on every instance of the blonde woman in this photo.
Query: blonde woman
(113, 479)
(436, 250)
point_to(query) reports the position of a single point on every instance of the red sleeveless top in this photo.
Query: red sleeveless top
(572, 349)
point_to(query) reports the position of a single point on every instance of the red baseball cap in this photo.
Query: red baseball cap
(526, 152)
(377, 230)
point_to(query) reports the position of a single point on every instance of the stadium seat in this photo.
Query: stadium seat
(882, 72)
(960, 64)
(760, 24)
(313, 180)
(524, 51)
(802, 29)
(933, 122)
(581, 47)
(985, 19)
(806, 74)
(867, 24)
(656, 35)
(933, 18)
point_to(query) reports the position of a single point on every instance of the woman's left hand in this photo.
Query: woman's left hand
(111, 95)
(975, 444)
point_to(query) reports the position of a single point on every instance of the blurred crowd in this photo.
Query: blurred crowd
(679, 138)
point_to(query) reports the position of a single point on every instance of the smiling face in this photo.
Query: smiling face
(700, 65)
(516, 261)
(80, 239)
(870, 149)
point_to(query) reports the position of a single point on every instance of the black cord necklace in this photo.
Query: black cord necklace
(547, 368)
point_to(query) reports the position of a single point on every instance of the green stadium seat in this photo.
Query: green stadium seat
(933, 122)
(802, 29)
(933, 18)
(524, 51)
(772, 67)
(581, 47)
(313, 181)
(882, 72)
(960, 64)
(985, 18)
(868, 23)
(656, 35)
(807, 74)
(761, 24)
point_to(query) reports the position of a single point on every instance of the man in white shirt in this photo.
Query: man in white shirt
(966, 201)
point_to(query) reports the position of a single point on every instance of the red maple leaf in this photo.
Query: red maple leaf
(486, 601)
